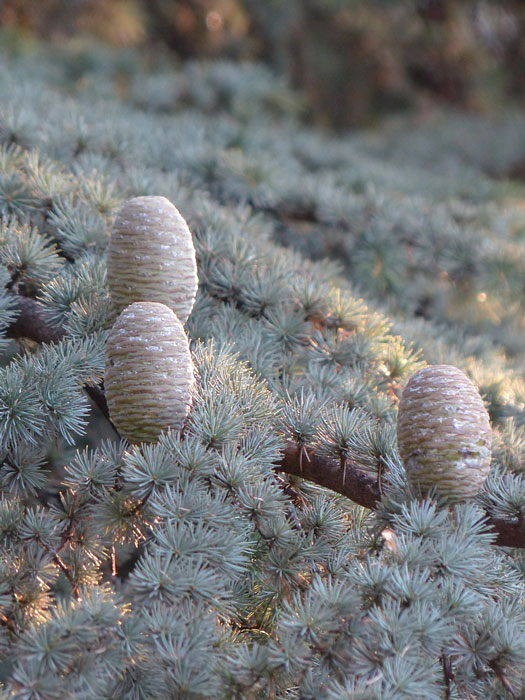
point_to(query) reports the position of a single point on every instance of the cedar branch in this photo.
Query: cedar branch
(363, 489)
(359, 487)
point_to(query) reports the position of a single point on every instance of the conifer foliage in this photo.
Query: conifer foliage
(220, 560)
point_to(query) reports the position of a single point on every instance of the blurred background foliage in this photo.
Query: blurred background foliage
(353, 60)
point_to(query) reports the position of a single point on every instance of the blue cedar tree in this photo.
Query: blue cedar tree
(197, 566)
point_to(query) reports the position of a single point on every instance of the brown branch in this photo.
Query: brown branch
(363, 489)
(67, 573)
(509, 533)
(448, 675)
(356, 484)
(31, 323)
(96, 394)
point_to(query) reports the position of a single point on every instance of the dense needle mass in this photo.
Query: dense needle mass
(187, 567)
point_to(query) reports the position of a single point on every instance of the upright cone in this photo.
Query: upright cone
(151, 256)
(443, 433)
(149, 372)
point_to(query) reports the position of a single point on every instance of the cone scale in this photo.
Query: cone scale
(444, 433)
(151, 256)
(149, 372)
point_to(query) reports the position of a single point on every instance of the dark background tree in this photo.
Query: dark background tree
(353, 60)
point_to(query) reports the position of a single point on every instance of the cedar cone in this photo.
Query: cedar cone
(149, 372)
(443, 433)
(151, 256)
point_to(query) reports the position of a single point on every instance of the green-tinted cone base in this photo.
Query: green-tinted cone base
(444, 433)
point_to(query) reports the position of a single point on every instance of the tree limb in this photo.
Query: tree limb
(363, 489)
(357, 485)
(96, 394)
(31, 322)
